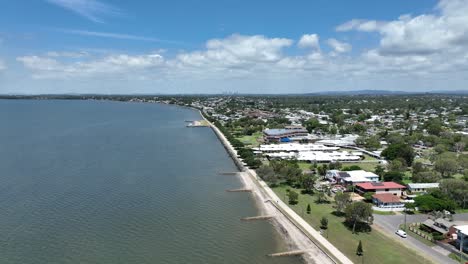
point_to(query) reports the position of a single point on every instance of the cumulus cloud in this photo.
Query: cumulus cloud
(421, 51)
(309, 41)
(46, 67)
(339, 46)
(420, 35)
(90, 9)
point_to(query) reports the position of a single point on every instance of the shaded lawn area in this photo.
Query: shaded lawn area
(378, 248)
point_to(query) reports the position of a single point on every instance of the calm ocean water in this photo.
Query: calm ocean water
(109, 182)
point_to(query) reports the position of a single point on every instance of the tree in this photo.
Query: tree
(334, 165)
(380, 170)
(267, 174)
(372, 143)
(417, 167)
(399, 150)
(358, 212)
(368, 196)
(434, 126)
(321, 197)
(293, 197)
(342, 199)
(322, 170)
(429, 202)
(426, 176)
(307, 182)
(308, 209)
(397, 164)
(352, 168)
(456, 190)
(446, 165)
(463, 161)
(324, 223)
(312, 124)
(394, 176)
(359, 250)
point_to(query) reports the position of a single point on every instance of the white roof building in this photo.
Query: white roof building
(422, 187)
(319, 156)
(296, 147)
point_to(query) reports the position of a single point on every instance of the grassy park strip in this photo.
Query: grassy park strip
(378, 248)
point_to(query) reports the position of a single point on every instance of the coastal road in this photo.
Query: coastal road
(390, 223)
(324, 247)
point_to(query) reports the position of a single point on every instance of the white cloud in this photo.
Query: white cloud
(359, 24)
(116, 36)
(428, 51)
(423, 34)
(45, 67)
(90, 9)
(309, 41)
(338, 46)
(68, 54)
(235, 52)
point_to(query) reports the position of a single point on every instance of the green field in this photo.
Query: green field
(251, 141)
(367, 166)
(378, 248)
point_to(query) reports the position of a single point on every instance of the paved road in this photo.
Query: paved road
(390, 223)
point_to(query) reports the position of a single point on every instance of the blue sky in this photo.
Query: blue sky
(105, 46)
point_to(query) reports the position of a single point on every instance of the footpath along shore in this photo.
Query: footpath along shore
(301, 236)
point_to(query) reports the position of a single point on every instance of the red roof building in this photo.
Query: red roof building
(387, 200)
(380, 187)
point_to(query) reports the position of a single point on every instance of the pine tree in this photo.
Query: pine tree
(359, 250)
(308, 208)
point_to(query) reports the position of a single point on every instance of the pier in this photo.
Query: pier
(239, 190)
(259, 217)
(288, 253)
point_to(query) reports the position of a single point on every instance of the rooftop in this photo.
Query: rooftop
(423, 185)
(463, 229)
(280, 131)
(380, 185)
(386, 197)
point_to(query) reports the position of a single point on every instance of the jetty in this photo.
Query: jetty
(240, 190)
(288, 253)
(259, 217)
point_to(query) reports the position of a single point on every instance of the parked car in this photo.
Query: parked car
(401, 233)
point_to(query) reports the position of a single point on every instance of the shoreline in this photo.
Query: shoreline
(298, 233)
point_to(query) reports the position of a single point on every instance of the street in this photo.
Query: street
(391, 223)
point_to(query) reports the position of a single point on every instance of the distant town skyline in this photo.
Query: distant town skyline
(125, 47)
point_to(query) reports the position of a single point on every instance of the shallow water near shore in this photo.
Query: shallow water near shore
(112, 182)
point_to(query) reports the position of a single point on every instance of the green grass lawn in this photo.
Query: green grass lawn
(378, 248)
(251, 141)
(304, 165)
(367, 166)
(456, 257)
